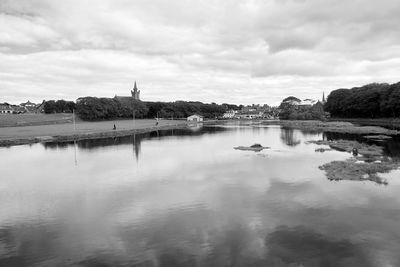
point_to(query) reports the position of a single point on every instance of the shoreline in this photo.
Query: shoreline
(23, 135)
(389, 123)
(93, 130)
(333, 126)
(85, 136)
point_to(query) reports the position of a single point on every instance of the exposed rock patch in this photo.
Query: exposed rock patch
(366, 165)
(354, 170)
(349, 146)
(255, 148)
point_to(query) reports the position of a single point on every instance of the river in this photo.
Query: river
(187, 198)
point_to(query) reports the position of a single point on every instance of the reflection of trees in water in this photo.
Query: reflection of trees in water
(59, 145)
(310, 132)
(332, 136)
(288, 136)
(391, 146)
(135, 139)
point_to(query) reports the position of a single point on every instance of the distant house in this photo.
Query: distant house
(292, 101)
(40, 107)
(6, 108)
(230, 114)
(18, 109)
(29, 106)
(195, 118)
(32, 107)
(308, 102)
(249, 115)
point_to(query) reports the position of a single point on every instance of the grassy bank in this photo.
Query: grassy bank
(390, 123)
(31, 119)
(333, 126)
(84, 130)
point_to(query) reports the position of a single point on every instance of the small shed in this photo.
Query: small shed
(195, 118)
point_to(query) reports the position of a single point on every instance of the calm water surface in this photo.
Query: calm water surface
(187, 198)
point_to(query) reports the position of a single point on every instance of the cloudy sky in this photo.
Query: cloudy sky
(245, 51)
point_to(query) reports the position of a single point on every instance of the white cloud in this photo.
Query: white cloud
(222, 51)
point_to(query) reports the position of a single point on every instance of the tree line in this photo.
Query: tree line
(59, 106)
(376, 100)
(288, 111)
(93, 108)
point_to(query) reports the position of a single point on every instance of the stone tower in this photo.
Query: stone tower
(135, 92)
(323, 98)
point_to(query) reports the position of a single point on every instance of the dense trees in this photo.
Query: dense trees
(369, 101)
(92, 108)
(59, 106)
(290, 109)
(290, 112)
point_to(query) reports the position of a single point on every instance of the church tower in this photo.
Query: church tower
(135, 92)
(323, 98)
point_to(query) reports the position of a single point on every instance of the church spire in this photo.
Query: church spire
(323, 97)
(135, 92)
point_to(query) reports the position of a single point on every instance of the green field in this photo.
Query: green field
(7, 120)
(54, 126)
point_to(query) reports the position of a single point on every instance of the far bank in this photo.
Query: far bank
(19, 135)
(62, 132)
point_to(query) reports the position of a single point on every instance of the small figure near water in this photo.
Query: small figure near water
(114, 128)
(355, 151)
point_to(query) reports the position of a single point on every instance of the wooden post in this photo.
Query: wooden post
(73, 119)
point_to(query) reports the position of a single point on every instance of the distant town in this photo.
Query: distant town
(368, 101)
(27, 107)
(145, 109)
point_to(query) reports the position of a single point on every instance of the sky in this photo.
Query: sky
(223, 51)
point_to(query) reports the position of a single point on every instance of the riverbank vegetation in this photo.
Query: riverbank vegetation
(59, 106)
(376, 100)
(291, 108)
(93, 108)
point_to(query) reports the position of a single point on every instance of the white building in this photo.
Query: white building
(249, 115)
(230, 114)
(195, 118)
(6, 109)
(308, 102)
